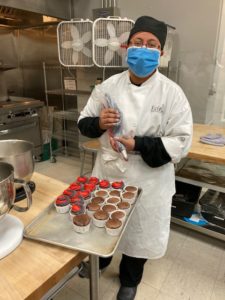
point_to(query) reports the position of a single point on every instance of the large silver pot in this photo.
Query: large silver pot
(7, 190)
(19, 154)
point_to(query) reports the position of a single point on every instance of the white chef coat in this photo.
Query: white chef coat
(157, 108)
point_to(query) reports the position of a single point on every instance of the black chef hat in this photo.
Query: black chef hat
(149, 24)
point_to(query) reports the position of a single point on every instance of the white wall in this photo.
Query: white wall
(197, 25)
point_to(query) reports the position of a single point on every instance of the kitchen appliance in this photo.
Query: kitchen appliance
(75, 43)
(110, 37)
(19, 118)
(11, 228)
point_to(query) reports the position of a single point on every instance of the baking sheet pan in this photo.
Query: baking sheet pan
(57, 229)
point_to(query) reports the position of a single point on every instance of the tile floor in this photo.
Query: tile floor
(192, 269)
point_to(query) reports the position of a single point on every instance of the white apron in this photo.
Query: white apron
(146, 112)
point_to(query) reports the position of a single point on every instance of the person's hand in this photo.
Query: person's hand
(129, 143)
(108, 118)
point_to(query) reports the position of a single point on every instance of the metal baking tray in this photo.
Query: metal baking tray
(57, 229)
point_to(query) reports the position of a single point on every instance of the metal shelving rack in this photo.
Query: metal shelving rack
(62, 121)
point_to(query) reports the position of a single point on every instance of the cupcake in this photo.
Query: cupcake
(70, 193)
(129, 197)
(62, 204)
(86, 196)
(93, 180)
(81, 223)
(118, 185)
(114, 193)
(101, 193)
(100, 217)
(131, 188)
(77, 199)
(92, 208)
(124, 205)
(113, 200)
(118, 214)
(76, 210)
(89, 187)
(98, 200)
(82, 179)
(75, 186)
(113, 227)
(109, 208)
(104, 184)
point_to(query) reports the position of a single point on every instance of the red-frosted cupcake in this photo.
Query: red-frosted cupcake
(118, 185)
(77, 199)
(82, 179)
(89, 187)
(62, 204)
(76, 210)
(76, 186)
(86, 196)
(104, 184)
(70, 193)
(81, 223)
(94, 180)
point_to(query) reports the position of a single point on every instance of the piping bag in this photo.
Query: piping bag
(117, 129)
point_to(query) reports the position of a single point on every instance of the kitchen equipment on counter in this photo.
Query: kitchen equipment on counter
(11, 228)
(18, 153)
(19, 118)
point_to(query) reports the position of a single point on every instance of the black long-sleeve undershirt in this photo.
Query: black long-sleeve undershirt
(151, 149)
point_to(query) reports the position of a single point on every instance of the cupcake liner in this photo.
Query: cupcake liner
(99, 223)
(106, 195)
(121, 219)
(81, 229)
(62, 209)
(113, 231)
(116, 208)
(134, 186)
(115, 203)
(129, 200)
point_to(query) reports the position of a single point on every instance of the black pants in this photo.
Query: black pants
(131, 269)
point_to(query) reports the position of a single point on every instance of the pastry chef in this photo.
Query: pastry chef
(156, 133)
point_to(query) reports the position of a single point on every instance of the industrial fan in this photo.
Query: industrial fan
(75, 43)
(109, 41)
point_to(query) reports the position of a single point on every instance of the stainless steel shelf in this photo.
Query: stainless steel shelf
(200, 229)
(67, 135)
(68, 92)
(71, 115)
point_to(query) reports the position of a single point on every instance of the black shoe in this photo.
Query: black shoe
(126, 293)
(85, 270)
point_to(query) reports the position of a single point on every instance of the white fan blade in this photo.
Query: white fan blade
(108, 56)
(101, 42)
(86, 51)
(86, 37)
(122, 52)
(111, 30)
(124, 37)
(114, 44)
(66, 45)
(74, 32)
(75, 57)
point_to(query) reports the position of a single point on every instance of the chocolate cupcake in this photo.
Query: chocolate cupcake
(118, 214)
(101, 193)
(109, 208)
(98, 200)
(129, 197)
(113, 200)
(124, 205)
(77, 199)
(131, 188)
(81, 223)
(113, 227)
(114, 193)
(92, 208)
(86, 196)
(100, 217)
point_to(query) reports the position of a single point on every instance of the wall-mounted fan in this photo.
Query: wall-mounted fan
(75, 43)
(109, 41)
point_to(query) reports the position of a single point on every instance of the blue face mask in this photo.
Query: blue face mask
(142, 61)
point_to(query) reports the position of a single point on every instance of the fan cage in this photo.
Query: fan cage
(64, 34)
(100, 31)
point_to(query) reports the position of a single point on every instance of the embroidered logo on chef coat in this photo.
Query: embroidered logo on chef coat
(159, 109)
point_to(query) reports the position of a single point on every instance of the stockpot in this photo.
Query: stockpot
(7, 190)
(19, 154)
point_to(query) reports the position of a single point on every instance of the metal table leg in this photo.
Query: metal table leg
(94, 278)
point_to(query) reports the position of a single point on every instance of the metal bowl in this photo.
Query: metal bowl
(19, 154)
